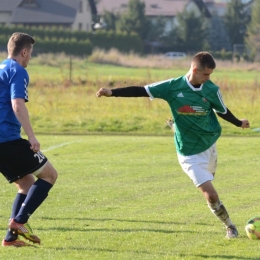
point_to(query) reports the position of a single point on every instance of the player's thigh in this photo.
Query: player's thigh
(18, 160)
(213, 159)
(48, 173)
(196, 167)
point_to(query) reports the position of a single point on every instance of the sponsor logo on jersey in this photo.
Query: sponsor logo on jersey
(204, 99)
(191, 110)
(180, 95)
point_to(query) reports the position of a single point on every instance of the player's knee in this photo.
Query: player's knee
(48, 174)
(54, 176)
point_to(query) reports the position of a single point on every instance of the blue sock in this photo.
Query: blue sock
(19, 199)
(36, 195)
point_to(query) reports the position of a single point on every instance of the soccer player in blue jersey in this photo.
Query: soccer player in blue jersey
(194, 101)
(21, 159)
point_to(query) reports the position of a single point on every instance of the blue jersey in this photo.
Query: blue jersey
(14, 81)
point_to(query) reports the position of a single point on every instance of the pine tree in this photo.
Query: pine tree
(110, 19)
(235, 21)
(191, 31)
(253, 32)
(217, 35)
(134, 19)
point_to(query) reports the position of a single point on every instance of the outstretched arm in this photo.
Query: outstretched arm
(243, 123)
(131, 91)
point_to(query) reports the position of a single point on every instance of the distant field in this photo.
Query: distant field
(126, 198)
(64, 108)
(58, 105)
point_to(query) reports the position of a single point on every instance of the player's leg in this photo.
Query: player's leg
(16, 162)
(23, 186)
(36, 195)
(201, 169)
(217, 208)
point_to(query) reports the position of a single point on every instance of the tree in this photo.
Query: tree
(134, 19)
(109, 20)
(253, 32)
(217, 35)
(156, 29)
(235, 21)
(190, 32)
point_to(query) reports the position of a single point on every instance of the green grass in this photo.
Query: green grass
(126, 197)
(77, 110)
(60, 106)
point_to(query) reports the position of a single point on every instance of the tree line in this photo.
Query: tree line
(217, 34)
(78, 43)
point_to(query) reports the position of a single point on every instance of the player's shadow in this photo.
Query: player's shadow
(227, 257)
(87, 227)
(122, 220)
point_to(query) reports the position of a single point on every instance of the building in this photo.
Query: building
(73, 14)
(154, 8)
(219, 7)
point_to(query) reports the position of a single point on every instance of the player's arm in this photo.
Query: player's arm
(21, 113)
(131, 91)
(228, 116)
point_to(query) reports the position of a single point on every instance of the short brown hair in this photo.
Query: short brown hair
(204, 60)
(19, 41)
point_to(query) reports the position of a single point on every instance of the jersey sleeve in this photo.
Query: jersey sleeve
(158, 89)
(19, 83)
(218, 103)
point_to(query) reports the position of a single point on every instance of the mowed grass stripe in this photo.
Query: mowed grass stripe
(126, 197)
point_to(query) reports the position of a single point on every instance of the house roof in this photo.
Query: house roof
(44, 11)
(220, 6)
(10, 5)
(152, 7)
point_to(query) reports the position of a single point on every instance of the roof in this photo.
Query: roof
(44, 11)
(152, 7)
(10, 5)
(220, 6)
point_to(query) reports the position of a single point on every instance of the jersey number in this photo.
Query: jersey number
(40, 156)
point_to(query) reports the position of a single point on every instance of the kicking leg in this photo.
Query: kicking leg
(217, 208)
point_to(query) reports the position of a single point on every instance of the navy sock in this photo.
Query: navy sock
(36, 195)
(19, 199)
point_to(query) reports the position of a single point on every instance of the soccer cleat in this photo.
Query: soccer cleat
(232, 232)
(24, 230)
(15, 243)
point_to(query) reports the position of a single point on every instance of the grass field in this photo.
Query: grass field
(125, 197)
(60, 106)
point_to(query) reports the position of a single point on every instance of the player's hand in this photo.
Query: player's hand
(35, 145)
(104, 92)
(245, 123)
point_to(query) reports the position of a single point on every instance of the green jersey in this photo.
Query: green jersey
(196, 124)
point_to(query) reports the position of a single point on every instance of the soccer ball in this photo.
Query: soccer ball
(253, 228)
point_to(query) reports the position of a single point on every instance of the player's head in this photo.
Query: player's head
(202, 65)
(20, 46)
(203, 60)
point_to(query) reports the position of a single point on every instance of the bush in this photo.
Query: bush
(55, 39)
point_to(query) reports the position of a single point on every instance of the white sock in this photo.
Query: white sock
(220, 212)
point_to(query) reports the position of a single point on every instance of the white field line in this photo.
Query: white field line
(58, 146)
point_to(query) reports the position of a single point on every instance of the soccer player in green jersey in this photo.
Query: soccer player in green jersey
(194, 101)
